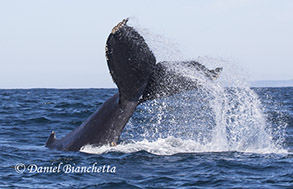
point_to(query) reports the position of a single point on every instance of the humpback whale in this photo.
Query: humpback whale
(139, 78)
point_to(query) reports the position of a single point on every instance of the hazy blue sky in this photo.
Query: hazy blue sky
(60, 43)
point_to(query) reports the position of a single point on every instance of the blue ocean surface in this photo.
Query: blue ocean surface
(242, 139)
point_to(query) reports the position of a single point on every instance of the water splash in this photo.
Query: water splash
(222, 115)
(164, 49)
(213, 118)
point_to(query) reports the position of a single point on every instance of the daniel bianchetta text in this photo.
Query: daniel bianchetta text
(64, 168)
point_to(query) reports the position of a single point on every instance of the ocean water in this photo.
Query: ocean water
(212, 137)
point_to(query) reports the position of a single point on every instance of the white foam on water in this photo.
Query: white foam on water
(168, 146)
(222, 115)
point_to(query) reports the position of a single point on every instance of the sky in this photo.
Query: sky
(61, 43)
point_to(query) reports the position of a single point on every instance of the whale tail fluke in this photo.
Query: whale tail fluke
(131, 64)
(167, 81)
(130, 61)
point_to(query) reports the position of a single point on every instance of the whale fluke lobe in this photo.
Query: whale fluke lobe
(130, 61)
(166, 81)
(138, 77)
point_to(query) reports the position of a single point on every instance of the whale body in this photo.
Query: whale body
(138, 77)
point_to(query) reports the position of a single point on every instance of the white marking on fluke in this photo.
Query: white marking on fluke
(119, 25)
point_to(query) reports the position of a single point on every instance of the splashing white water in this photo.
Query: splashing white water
(222, 115)
(163, 48)
(167, 146)
(213, 118)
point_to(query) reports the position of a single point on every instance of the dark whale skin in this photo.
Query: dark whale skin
(165, 81)
(101, 128)
(131, 64)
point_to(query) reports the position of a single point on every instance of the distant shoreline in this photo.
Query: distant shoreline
(272, 83)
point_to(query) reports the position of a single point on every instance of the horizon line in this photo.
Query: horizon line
(251, 85)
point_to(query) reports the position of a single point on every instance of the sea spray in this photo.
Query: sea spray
(212, 118)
